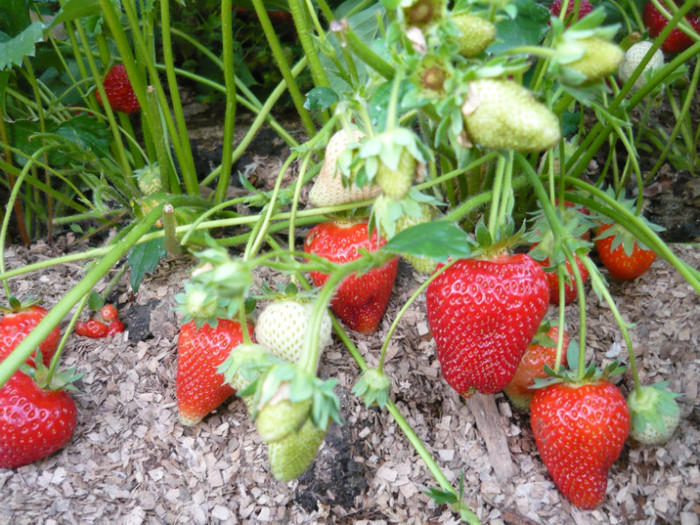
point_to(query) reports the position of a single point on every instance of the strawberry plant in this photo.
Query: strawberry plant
(457, 136)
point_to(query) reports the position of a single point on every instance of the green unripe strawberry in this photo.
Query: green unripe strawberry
(655, 414)
(282, 325)
(396, 183)
(329, 189)
(633, 57)
(600, 58)
(291, 456)
(503, 115)
(276, 421)
(148, 179)
(476, 34)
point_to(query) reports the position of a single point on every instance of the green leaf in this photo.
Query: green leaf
(88, 134)
(379, 105)
(144, 258)
(95, 301)
(4, 80)
(437, 240)
(528, 28)
(74, 9)
(320, 99)
(441, 497)
(14, 17)
(24, 44)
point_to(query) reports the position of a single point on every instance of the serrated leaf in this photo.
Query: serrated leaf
(144, 258)
(438, 240)
(320, 99)
(23, 45)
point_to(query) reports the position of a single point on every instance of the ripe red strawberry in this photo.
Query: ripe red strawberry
(200, 388)
(542, 351)
(579, 431)
(677, 41)
(570, 285)
(120, 94)
(115, 327)
(621, 254)
(91, 328)
(483, 314)
(16, 324)
(109, 312)
(34, 423)
(584, 8)
(360, 300)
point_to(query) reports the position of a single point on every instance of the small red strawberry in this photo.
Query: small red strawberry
(677, 41)
(584, 8)
(579, 431)
(360, 300)
(200, 388)
(16, 324)
(109, 312)
(483, 313)
(120, 94)
(621, 254)
(34, 422)
(115, 327)
(540, 352)
(91, 328)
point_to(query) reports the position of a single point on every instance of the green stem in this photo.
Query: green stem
(496, 194)
(304, 33)
(230, 115)
(283, 67)
(365, 53)
(73, 296)
(599, 286)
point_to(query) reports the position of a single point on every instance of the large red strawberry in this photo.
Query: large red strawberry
(542, 351)
(677, 41)
(34, 422)
(16, 324)
(200, 388)
(360, 300)
(580, 430)
(120, 94)
(621, 254)
(483, 313)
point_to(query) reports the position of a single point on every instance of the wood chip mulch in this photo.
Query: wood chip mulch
(131, 462)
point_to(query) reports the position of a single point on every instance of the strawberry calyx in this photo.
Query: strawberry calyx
(373, 387)
(655, 413)
(591, 374)
(16, 306)
(302, 387)
(44, 379)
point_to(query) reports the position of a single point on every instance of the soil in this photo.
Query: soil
(131, 462)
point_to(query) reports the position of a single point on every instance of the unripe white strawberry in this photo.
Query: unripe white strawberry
(503, 115)
(600, 58)
(633, 57)
(282, 325)
(329, 190)
(476, 34)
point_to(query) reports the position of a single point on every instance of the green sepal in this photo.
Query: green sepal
(62, 380)
(373, 387)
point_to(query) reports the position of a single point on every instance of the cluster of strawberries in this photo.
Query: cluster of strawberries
(37, 414)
